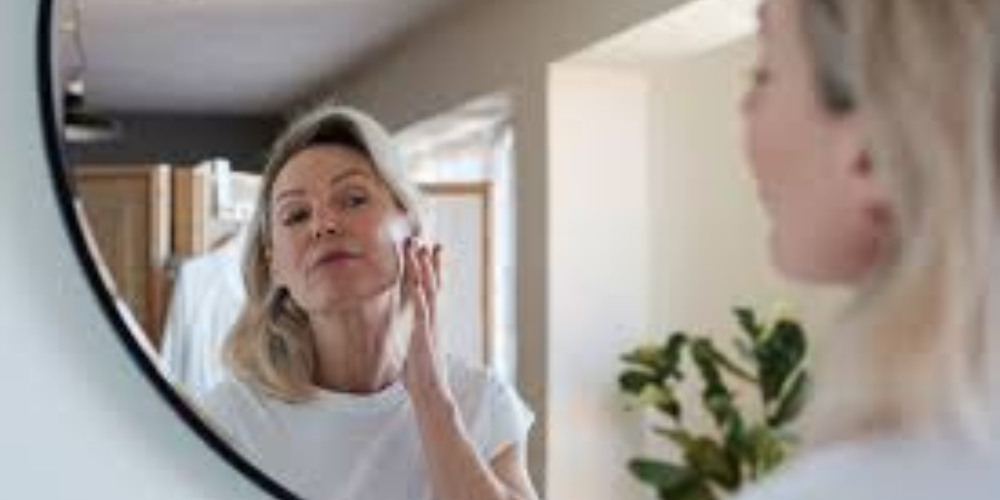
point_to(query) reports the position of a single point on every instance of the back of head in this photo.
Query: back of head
(908, 356)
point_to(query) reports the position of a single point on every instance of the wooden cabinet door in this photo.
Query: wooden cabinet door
(128, 211)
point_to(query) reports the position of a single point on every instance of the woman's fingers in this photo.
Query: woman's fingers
(423, 364)
(419, 282)
(428, 281)
(436, 262)
(412, 275)
(423, 275)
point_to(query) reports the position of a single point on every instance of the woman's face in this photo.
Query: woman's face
(336, 230)
(812, 169)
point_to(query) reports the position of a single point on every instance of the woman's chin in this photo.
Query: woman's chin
(351, 297)
(790, 262)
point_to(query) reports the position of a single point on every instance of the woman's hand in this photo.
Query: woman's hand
(423, 371)
(455, 468)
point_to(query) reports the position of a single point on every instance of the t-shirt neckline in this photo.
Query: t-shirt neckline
(390, 396)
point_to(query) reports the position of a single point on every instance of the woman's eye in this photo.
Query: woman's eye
(293, 217)
(353, 199)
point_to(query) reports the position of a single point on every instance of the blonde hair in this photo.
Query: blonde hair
(908, 355)
(271, 345)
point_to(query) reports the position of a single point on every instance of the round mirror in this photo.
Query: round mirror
(256, 190)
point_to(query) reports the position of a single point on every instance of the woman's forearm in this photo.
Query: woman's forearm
(457, 471)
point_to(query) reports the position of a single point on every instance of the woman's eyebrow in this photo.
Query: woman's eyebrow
(337, 179)
(289, 193)
(348, 174)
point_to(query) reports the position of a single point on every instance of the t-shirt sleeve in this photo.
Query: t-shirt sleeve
(507, 418)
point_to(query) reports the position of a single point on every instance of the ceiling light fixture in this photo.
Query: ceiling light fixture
(80, 124)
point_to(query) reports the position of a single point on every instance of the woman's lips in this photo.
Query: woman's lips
(334, 258)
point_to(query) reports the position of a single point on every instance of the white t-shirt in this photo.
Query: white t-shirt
(349, 447)
(887, 469)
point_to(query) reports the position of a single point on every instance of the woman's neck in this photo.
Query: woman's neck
(354, 348)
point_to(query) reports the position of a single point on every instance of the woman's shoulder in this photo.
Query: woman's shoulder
(473, 384)
(888, 468)
(496, 414)
(230, 394)
(463, 374)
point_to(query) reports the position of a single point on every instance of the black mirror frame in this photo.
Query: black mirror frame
(66, 199)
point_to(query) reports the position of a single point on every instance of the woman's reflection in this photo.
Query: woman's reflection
(340, 390)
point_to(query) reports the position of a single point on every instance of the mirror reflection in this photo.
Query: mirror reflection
(268, 187)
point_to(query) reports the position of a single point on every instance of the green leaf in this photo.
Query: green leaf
(732, 368)
(682, 438)
(647, 357)
(701, 352)
(711, 460)
(793, 401)
(716, 395)
(672, 409)
(661, 475)
(733, 433)
(634, 381)
(672, 355)
(705, 456)
(780, 354)
(766, 450)
(748, 321)
(663, 360)
(659, 397)
(696, 490)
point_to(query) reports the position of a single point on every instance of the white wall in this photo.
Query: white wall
(78, 420)
(598, 274)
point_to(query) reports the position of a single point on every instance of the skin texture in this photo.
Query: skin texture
(343, 247)
(813, 172)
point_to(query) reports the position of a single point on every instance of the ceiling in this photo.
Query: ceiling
(689, 30)
(231, 57)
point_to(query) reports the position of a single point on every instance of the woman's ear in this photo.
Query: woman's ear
(852, 157)
(856, 164)
(850, 145)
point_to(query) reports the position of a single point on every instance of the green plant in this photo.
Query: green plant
(743, 443)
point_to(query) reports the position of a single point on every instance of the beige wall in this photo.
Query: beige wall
(502, 45)
(599, 249)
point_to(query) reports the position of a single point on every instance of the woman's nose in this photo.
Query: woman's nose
(326, 222)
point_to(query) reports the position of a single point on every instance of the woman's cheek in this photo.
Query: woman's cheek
(399, 230)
